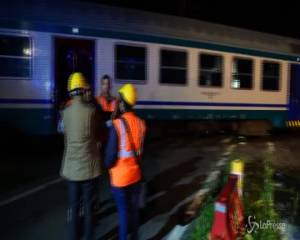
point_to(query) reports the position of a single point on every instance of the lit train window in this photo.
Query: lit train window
(242, 73)
(210, 70)
(173, 66)
(271, 75)
(15, 57)
(130, 63)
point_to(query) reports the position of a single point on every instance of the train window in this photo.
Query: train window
(242, 76)
(15, 57)
(210, 70)
(173, 66)
(271, 75)
(130, 62)
(14, 67)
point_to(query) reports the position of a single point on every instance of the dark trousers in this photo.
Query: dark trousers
(81, 194)
(127, 200)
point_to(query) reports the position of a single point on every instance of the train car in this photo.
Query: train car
(183, 68)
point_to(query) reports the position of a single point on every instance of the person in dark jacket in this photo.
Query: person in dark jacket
(81, 160)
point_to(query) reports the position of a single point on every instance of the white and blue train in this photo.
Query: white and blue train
(183, 68)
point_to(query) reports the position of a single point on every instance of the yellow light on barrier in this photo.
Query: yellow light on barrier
(237, 168)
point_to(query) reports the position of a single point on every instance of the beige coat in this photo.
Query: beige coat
(81, 160)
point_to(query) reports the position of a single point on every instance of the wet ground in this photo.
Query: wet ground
(286, 165)
(287, 200)
(174, 169)
(27, 162)
(287, 181)
(33, 205)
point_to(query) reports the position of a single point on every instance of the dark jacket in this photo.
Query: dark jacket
(111, 151)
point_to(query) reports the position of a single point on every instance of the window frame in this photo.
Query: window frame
(222, 69)
(262, 76)
(252, 72)
(134, 81)
(19, 57)
(186, 68)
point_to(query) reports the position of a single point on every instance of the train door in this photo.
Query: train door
(294, 101)
(72, 55)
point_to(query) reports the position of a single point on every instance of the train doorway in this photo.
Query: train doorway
(294, 101)
(72, 55)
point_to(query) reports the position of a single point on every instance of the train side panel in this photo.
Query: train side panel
(26, 104)
(191, 101)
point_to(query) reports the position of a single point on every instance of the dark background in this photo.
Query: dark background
(278, 17)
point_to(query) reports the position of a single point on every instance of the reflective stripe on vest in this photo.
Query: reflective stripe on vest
(126, 170)
(123, 153)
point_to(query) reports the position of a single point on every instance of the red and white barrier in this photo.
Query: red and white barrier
(229, 215)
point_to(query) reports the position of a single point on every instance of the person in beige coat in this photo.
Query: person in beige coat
(81, 160)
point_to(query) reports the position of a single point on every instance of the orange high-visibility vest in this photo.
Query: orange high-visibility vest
(126, 171)
(105, 104)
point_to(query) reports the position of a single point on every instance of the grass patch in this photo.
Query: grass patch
(204, 222)
(202, 225)
(259, 198)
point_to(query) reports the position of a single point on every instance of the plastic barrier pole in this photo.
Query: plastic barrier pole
(237, 168)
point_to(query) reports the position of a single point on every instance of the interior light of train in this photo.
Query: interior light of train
(27, 51)
(75, 30)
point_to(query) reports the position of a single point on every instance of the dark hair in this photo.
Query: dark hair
(77, 92)
(106, 76)
(127, 106)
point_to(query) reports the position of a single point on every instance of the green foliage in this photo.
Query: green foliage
(259, 198)
(204, 222)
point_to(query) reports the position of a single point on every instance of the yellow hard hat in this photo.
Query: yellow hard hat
(128, 93)
(77, 81)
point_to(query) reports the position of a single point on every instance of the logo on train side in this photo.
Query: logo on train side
(210, 95)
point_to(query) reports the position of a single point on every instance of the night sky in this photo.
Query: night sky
(278, 17)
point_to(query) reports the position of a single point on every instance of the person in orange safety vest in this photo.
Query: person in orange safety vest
(106, 101)
(122, 158)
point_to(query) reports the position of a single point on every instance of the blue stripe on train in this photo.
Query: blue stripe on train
(25, 101)
(156, 103)
(220, 104)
